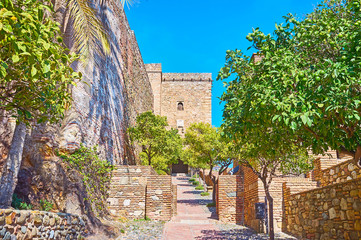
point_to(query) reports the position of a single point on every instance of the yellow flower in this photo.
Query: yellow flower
(13, 18)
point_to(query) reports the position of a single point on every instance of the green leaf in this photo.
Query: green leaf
(15, 58)
(33, 71)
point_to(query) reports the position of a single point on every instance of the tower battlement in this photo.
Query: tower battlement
(187, 77)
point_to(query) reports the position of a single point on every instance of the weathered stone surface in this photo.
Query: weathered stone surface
(332, 213)
(126, 202)
(106, 102)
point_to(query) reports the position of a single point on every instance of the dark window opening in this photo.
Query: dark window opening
(180, 106)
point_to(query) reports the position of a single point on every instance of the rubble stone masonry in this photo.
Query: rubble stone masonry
(330, 212)
(30, 224)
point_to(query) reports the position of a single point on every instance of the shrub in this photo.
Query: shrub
(195, 183)
(96, 173)
(199, 187)
(161, 172)
(204, 194)
(46, 205)
(213, 204)
(192, 180)
(18, 203)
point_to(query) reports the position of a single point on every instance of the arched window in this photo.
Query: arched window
(180, 106)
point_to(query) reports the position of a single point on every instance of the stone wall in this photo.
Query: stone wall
(137, 192)
(15, 224)
(230, 199)
(339, 173)
(114, 90)
(193, 90)
(331, 212)
(254, 193)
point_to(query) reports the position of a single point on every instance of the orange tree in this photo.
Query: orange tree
(35, 76)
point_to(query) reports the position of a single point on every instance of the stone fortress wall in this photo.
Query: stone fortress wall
(114, 90)
(192, 90)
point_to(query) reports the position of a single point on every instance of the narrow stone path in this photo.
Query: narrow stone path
(193, 217)
(195, 221)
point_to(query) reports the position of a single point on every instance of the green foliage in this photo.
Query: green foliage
(161, 172)
(96, 173)
(160, 147)
(191, 180)
(205, 147)
(307, 85)
(199, 187)
(195, 176)
(35, 72)
(45, 205)
(203, 194)
(18, 203)
(195, 183)
(213, 204)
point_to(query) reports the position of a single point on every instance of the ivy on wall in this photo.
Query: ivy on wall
(96, 173)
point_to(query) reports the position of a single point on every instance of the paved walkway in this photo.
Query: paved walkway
(193, 217)
(195, 221)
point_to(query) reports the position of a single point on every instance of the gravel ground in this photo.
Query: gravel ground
(142, 230)
(233, 231)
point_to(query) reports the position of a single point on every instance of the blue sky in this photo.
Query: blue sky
(194, 35)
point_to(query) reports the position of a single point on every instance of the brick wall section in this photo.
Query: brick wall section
(331, 212)
(339, 173)
(174, 199)
(251, 196)
(254, 193)
(137, 191)
(230, 199)
(159, 197)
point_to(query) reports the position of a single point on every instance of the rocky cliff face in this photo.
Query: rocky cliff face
(114, 89)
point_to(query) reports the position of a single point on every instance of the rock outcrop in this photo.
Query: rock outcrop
(113, 91)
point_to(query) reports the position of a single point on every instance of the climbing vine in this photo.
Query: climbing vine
(96, 173)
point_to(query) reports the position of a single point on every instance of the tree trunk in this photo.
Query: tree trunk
(270, 214)
(215, 182)
(9, 177)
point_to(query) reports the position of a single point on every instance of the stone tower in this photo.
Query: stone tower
(184, 98)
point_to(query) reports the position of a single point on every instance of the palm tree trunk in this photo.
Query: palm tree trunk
(9, 177)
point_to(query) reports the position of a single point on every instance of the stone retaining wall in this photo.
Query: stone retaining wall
(28, 224)
(339, 173)
(331, 212)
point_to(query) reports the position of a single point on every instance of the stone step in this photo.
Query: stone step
(192, 222)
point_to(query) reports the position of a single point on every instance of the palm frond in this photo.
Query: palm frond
(89, 32)
(128, 2)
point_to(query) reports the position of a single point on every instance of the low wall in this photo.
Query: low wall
(339, 173)
(137, 192)
(159, 198)
(230, 199)
(28, 224)
(331, 212)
